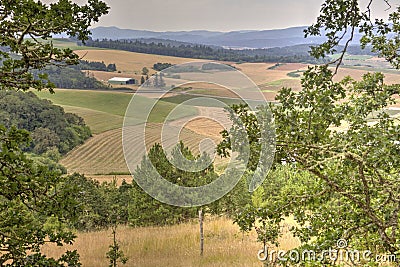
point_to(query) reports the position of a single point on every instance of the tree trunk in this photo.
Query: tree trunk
(201, 232)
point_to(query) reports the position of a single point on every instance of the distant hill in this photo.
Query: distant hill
(235, 39)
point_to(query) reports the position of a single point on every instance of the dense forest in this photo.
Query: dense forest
(51, 128)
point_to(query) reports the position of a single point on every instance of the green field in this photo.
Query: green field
(104, 111)
(64, 43)
(351, 57)
(98, 121)
(204, 102)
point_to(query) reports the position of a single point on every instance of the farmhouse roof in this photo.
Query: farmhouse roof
(120, 79)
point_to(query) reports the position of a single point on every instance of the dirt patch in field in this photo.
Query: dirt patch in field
(205, 127)
(269, 96)
(291, 66)
(210, 89)
(390, 78)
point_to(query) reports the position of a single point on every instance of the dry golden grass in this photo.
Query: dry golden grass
(292, 66)
(210, 89)
(260, 73)
(178, 245)
(205, 127)
(130, 62)
(358, 73)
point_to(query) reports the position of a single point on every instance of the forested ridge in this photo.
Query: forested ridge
(288, 54)
(206, 52)
(50, 126)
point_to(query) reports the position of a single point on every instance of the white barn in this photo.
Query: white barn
(121, 81)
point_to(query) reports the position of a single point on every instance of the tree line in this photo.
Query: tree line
(94, 65)
(207, 52)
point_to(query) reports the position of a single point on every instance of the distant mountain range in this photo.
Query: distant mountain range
(235, 39)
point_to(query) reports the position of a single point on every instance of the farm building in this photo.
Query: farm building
(121, 81)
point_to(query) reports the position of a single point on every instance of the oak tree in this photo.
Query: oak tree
(34, 201)
(339, 146)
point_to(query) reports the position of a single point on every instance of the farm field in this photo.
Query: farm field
(262, 73)
(104, 111)
(270, 77)
(103, 153)
(130, 62)
(98, 121)
(224, 245)
(101, 156)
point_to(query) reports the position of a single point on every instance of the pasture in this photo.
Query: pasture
(104, 110)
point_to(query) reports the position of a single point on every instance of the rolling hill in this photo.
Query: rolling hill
(234, 39)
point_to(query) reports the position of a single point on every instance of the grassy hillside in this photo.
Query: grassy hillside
(98, 121)
(104, 111)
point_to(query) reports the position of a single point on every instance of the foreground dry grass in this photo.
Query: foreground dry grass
(176, 246)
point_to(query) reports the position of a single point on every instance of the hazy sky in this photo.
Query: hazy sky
(221, 15)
